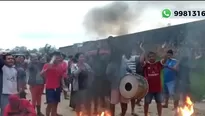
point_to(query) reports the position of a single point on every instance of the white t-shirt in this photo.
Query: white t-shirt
(9, 80)
(131, 62)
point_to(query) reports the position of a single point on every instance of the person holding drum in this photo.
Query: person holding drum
(131, 61)
(152, 69)
(116, 70)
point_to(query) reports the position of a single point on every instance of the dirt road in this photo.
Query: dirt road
(66, 111)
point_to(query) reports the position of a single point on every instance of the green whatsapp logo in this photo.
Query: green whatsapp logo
(166, 13)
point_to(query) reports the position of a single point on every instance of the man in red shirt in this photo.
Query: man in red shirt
(53, 73)
(152, 69)
(19, 107)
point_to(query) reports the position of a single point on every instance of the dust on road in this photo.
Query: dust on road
(65, 110)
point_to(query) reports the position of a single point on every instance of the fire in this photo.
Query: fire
(105, 113)
(102, 114)
(187, 109)
(81, 114)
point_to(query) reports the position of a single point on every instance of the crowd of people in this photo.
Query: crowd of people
(93, 78)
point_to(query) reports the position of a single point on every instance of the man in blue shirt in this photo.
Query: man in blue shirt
(170, 73)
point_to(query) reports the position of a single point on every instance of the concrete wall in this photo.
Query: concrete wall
(188, 33)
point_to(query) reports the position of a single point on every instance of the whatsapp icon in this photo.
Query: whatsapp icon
(166, 13)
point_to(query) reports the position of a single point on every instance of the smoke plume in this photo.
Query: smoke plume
(118, 18)
(114, 19)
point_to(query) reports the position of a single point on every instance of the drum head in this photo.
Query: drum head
(128, 86)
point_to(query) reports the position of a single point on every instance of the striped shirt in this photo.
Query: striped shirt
(131, 63)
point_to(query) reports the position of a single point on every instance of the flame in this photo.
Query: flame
(81, 114)
(187, 109)
(104, 113)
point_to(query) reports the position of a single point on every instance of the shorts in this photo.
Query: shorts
(53, 95)
(157, 96)
(169, 88)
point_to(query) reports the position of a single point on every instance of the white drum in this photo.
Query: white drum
(133, 86)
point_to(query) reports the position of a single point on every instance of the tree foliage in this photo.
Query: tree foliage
(47, 49)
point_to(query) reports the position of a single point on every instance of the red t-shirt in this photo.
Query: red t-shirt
(152, 74)
(64, 65)
(53, 76)
(24, 105)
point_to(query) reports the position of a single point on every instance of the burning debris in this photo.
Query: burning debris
(103, 113)
(187, 109)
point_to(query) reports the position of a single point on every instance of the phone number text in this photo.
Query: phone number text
(189, 13)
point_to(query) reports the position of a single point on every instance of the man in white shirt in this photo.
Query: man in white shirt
(131, 61)
(9, 82)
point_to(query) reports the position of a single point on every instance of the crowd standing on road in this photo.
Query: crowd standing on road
(91, 77)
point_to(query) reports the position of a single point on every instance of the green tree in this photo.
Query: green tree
(20, 49)
(47, 49)
(33, 50)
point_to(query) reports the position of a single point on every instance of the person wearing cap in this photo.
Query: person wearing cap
(36, 82)
(18, 107)
(53, 73)
(170, 75)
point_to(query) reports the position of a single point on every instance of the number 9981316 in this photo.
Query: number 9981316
(189, 13)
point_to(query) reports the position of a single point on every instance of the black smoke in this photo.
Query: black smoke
(119, 18)
(114, 18)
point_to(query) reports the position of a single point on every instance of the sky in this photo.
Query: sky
(59, 23)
